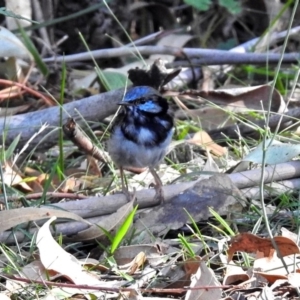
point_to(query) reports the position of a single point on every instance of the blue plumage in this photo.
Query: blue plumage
(138, 92)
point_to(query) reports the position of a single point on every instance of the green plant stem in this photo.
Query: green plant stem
(61, 134)
(265, 136)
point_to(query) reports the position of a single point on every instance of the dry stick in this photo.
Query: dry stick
(93, 209)
(104, 286)
(96, 206)
(39, 195)
(148, 50)
(208, 56)
(82, 141)
(92, 109)
(125, 51)
(235, 59)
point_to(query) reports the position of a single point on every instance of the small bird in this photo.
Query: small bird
(141, 133)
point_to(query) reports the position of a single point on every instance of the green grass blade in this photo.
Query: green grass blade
(32, 49)
(186, 245)
(61, 134)
(11, 148)
(123, 230)
(222, 221)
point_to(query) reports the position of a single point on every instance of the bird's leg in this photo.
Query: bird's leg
(125, 190)
(159, 193)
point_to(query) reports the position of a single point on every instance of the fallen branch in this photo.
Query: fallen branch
(208, 56)
(92, 109)
(190, 52)
(95, 208)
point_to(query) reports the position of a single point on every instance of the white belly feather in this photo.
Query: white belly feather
(126, 153)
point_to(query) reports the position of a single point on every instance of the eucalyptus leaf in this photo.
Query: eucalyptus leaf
(115, 80)
(276, 153)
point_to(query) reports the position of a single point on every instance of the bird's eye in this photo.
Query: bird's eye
(142, 101)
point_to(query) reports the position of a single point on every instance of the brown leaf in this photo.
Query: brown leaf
(250, 243)
(271, 277)
(191, 265)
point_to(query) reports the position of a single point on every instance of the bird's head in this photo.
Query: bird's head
(144, 99)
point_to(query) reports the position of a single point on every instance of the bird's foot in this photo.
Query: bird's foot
(130, 196)
(159, 193)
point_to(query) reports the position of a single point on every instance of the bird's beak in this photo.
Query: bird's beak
(124, 103)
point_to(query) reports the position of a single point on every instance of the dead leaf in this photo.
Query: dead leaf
(13, 178)
(234, 274)
(14, 217)
(19, 7)
(272, 268)
(53, 257)
(136, 264)
(204, 277)
(93, 166)
(202, 138)
(192, 265)
(271, 278)
(34, 270)
(11, 45)
(125, 254)
(288, 234)
(250, 243)
(237, 100)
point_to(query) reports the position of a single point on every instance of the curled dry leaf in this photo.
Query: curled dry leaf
(202, 138)
(14, 178)
(272, 268)
(204, 277)
(250, 243)
(55, 258)
(137, 263)
(234, 274)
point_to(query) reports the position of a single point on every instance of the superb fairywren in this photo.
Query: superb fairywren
(142, 132)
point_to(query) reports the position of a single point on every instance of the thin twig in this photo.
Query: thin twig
(206, 56)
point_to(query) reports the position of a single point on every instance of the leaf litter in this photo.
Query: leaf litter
(192, 269)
